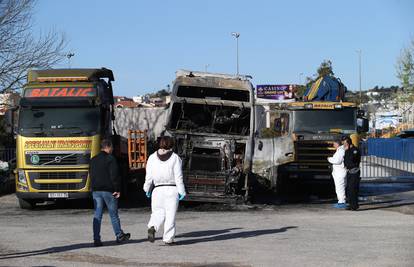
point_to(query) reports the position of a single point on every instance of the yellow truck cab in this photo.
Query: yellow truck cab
(315, 125)
(63, 115)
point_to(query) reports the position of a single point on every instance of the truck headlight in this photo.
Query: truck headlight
(22, 177)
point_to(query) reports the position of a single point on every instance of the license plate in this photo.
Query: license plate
(58, 195)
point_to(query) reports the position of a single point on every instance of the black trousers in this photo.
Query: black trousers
(352, 189)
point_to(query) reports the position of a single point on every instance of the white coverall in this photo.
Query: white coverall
(164, 201)
(339, 173)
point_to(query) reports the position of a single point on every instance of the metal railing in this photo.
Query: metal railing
(387, 158)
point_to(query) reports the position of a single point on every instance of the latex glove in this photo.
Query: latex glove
(148, 194)
(180, 197)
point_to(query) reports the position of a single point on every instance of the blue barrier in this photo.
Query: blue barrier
(391, 148)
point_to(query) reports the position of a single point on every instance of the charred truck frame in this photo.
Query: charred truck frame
(211, 117)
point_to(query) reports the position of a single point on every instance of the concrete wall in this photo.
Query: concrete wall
(151, 119)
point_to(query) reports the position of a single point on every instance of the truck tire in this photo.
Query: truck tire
(26, 204)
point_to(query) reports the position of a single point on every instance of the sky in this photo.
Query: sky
(281, 42)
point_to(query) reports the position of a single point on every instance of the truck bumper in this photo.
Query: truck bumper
(45, 196)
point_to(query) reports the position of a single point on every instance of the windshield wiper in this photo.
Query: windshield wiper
(76, 129)
(306, 131)
(41, 132)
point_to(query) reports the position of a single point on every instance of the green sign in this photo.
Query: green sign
(34, 159)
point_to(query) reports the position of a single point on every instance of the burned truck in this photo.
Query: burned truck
(211, 117)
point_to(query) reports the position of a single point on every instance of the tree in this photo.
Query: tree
(405, 73)
(405, 68)
(325, 68)
(19, 49)
(300, 91)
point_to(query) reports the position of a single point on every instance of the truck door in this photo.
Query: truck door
(273, 143)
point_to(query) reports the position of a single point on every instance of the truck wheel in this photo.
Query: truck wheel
(26, 204)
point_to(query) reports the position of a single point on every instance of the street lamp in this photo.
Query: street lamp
(237, 35)
(360, 75)
(69, 56)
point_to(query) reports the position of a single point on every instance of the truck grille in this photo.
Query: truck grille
(205, 182)
(57, 176)
(205, 159)
(58, 159)
(312, 155)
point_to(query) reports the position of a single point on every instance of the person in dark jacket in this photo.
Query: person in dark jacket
(106, 183)
(352, 159)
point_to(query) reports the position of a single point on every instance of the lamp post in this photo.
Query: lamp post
(360, 74)
(237, 35)
(69, 56)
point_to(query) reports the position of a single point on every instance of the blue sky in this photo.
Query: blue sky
(145, 42)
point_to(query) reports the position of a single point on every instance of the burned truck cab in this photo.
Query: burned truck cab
(211, 119)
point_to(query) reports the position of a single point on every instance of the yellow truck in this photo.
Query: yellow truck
(295, 145)
(62, 116)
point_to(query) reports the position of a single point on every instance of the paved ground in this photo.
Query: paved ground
(305, 234)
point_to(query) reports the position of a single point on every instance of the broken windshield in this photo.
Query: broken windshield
(205, 118)
(213, 93)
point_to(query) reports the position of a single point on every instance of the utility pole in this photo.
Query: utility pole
(360, 75)
(69, 56)
(237, 35)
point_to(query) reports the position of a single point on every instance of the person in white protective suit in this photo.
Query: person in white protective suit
(164, 184)
(339, 174)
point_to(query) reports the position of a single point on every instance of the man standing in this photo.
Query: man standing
(339, 173)
(352, 160)
(103, 170)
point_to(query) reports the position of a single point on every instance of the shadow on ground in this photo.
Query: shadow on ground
(211, 236)
(189, 238)
(60, 249)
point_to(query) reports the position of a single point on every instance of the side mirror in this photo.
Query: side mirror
(361, 113)
(362, 125)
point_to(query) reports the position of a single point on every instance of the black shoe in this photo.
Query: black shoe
(123, 237)
(97, 243)
(151, 234)
(169, 243)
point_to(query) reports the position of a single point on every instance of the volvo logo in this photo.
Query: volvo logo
(35, 159)
(58, 159)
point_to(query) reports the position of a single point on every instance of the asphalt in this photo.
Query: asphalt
(303, 232)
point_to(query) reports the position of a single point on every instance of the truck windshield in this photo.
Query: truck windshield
(210, 119)
(42, 121)
(317, 121)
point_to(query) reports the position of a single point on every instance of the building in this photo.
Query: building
(8, 100)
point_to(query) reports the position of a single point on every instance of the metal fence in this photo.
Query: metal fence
(387, 158)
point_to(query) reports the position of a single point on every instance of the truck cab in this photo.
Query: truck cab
(211, 117)
(62, 116)
(294, 139)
